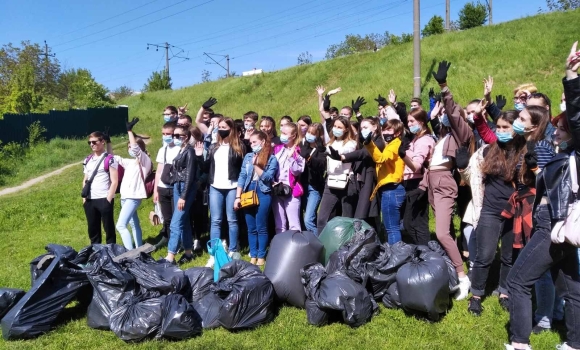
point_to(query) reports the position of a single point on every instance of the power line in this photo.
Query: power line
(227, 57)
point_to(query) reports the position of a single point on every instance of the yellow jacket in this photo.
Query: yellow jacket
(389, 166)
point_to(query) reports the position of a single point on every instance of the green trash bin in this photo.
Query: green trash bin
(337, 232)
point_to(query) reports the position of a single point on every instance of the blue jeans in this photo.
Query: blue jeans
(217, 199)
(392, 198)
(548, 305)
(257, 221)
(128, 215)
(312, 203)
(180, 227)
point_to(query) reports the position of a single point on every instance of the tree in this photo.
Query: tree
(304, 58)
(562, 5)
(433, 27)
(158, 81)
(80, 90)
(472, 15)
(356, 43)
(122, 92)
(205, 76)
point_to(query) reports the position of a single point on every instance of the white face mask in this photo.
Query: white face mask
(470, 118)
(563, 106)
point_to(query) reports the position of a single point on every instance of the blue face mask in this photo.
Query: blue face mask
(284, 139)
(310, 138)
(365, 132)
(415, 129)
(131, 153)
(248, 126)
(177, 142)
(519, 106)
(167, 139)
(166, 117)
(337, 132)
(445, 120)
(503, 137)
(214, 131)
(382, 121)
(563, 145)
(257, 149)
(518, 127)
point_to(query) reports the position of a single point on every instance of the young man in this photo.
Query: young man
(170, 113)
(416, 102)
(99, 202)
(163, 193)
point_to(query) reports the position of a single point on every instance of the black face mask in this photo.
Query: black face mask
(388, 137)
(224, 133)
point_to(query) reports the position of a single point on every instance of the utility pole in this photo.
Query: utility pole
(227, 68)
(447, 15)
(490, 11)
(46, 63)
(228, 65)
(167, 58)
(416, 49)
(167, 48)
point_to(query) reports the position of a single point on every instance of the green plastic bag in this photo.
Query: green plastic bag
(337, 232)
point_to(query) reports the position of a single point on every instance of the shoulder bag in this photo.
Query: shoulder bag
(86, 192)
(567, 230)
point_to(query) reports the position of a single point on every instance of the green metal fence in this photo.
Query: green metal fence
(64, 124)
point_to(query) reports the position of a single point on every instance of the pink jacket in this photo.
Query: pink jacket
(420, 153)
(296, 167)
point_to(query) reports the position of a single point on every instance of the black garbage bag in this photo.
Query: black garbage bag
(383, 271)
(208, 308)
(200, 280)
(137, 319)
(8, 298)
(288, 253)
(423, 285)
(247, 294)
(179, 320)
(112, 286)
(37, 268)
(435, 247)
(82, 258)
(334, 293)
(391, 298)
(156, 278)
(337, 232)
(36, 312)
(352, 258)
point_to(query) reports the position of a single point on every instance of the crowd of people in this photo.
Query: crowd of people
(505, 172)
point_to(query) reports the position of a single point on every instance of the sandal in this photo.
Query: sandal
(261, 262)
(253, 261)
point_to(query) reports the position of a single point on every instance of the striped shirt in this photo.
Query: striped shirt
(545, 152)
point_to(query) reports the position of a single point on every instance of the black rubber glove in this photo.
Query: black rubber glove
(334, 154)
(382, 101)
(210, 102)
(437, 98)
(356, 105)
(531, 157)
(368, 139)
(326, 103)
(131, 124)
(431, 93)
(320, 147)
(462, 157)
(403, 147)
(305, 152)
(106, 135)
(441, 75)
(500, 101)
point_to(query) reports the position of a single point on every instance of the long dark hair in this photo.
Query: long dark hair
(421, 116)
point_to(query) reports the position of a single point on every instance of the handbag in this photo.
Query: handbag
(338, 182)
(148, 181)
(249, 199)
(86, 192)
(167, 168)
(281, 190)
(567, 230)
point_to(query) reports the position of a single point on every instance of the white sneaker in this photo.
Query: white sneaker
(210, 262)
(225, 245)
(464, 285)
(509, 347)
(563, 346)
(196, 245)
(235, 255)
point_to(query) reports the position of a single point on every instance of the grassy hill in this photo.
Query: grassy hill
(531, 49)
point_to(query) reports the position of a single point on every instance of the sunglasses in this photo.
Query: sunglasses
(90, 143)
(179, 136)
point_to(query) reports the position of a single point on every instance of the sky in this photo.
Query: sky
(110, 37)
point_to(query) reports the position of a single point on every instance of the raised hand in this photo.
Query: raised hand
(403, 147)
(382, 101)
(480, 107)
(106, 135)
(326, 103)
(500, 101)
(333, 154)
(182, 110)
(131, 124)
(436, 110)
(320, 90)
(209, 103)
(437, 97)
(356, 105)
(573, 62)
(487, 87)
(462, 157)
(441, 75)
(431, 93)
(198, 148)
(334, 91)
(392, 97)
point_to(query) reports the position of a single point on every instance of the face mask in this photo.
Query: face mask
(518, 127)
(248, 126)
(389, 137)
(412, 108)
(131, 153)
(224, 133)
(470, 118)
(563, 106)
(177, 142)
(166, 117)
(563, 145)
(445, 120)
(257, 149)
(365, 132)
(304, 130)
(167, 139)
(503, 137)
(520, 106)
(310, 138)
(214, 131)
(415, 129)
(284, 139)
(382, 121)
(337, 132)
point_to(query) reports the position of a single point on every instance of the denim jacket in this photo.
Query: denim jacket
(247, 173)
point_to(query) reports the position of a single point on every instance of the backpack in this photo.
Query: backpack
(120, 169)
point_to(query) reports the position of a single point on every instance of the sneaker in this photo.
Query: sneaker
(185, 259)
(235, 255)
(505, 303)
(539, 329)
(225, 245)
(162, 243)
(509, 347)
(210, 262)
(562, 346)
(197, 248)
(475, 306)
(165, 261)
(463, 291)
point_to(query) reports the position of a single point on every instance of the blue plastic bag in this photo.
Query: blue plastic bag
(216, 249)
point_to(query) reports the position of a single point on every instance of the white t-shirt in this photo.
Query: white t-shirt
(163, 158)
(132, 185)
(438, 158)
(337, 167)
(221, 169)
(102, 181)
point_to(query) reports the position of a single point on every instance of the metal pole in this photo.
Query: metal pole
(416, 50)
(167, 59)
(490, 12)
(447, 15)
(228, 70)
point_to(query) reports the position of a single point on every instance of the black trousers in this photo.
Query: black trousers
(97, 210)
(415, 215)
(166, 205)
(332, 199)
(199, 215)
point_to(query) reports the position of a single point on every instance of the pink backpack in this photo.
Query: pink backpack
(107, 161)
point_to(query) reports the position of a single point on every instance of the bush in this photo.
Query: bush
(35, 131)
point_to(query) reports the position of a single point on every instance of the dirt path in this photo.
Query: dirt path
(36, 180)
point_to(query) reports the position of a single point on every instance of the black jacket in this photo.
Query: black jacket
(234, 162)
(185, 167)
(315, 172)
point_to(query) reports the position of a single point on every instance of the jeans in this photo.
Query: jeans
(217, 199)
(415, 214)
(548, 305)
(97, 210)
(180, 226)
(490, 229)
(392, 197)
(286, 207)
(128, 215)
(537, 257)
(166, 205)
(471, 242)
(257, 221)
(312, 203)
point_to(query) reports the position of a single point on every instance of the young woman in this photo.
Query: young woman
(338, 174)
(389, 168)
(257, 174)
(416, 208)
(224, 163)
(303, 123)
(285, 120)
(313, 177)
(133, 188)
(290, 167)
(268, 126)
(185, 168)
(554, 195)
